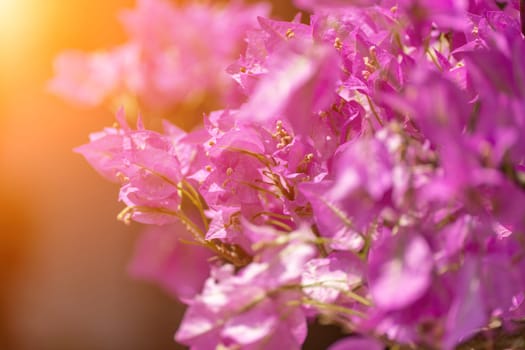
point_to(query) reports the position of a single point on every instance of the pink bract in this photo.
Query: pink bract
(370, 171)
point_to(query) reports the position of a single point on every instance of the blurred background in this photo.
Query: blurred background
(63, 254)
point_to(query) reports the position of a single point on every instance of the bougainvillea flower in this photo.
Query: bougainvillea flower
(405, 260)
(253, 307)
(370, 171)
(162, 256)
(161, 65)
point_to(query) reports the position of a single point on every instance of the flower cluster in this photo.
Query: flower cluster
(175, 56)
(372, 176)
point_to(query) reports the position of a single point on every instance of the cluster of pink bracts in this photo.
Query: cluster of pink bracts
(368, 168)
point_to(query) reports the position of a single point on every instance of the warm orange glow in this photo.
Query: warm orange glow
(63, 255)
(18, 23)
(11, 16)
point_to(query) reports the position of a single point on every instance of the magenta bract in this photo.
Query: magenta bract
(369, 172)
